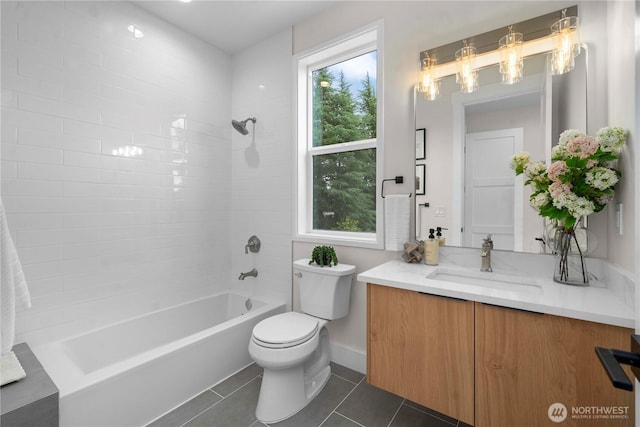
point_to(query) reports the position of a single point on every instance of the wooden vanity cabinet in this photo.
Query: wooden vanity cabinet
(527, 361)
(492, 366)
(421, 347)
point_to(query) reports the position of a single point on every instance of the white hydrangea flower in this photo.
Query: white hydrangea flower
(559, 152)
(569, 135)
(539, 200)
(520, 158)
(581, 207)
(534, 169)
(564, 200)
(611, 139)
(601, 178)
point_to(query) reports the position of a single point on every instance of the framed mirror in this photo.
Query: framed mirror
(469, 185)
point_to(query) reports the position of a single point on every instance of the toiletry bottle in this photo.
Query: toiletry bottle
(441, 240)
(431, 249)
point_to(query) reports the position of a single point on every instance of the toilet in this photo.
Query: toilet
(293, 348)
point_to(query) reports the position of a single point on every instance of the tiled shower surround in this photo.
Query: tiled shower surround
(116, 158)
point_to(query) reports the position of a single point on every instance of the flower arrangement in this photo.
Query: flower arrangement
(579, 181)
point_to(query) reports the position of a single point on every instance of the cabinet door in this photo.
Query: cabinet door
(527, 362)
(421, 347)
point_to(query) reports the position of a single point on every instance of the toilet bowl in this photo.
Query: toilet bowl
(293, 348)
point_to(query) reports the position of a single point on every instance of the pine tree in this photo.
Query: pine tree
(367, 105)
(344, 183)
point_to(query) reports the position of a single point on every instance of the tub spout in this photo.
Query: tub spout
(252, 273)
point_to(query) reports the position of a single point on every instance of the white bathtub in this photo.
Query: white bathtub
(131, 372)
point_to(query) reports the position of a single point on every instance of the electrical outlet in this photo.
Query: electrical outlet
(619, 218)
(440, 211)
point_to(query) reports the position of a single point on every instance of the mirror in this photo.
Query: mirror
(465, 178)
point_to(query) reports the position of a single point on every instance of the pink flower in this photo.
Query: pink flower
(591, 163)
(582, 146)
(556, 169)
(557, 188)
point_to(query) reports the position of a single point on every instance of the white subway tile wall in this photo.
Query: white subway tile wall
(116, 158)
(262, 163)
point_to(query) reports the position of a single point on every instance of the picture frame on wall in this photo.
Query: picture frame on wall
(420, 182)
(421, 144)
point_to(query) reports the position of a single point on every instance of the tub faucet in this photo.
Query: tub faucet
(487, 245)
(252, 273)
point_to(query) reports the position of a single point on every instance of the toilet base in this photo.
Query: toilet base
(284, 392)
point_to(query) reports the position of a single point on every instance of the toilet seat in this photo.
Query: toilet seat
(285, 330)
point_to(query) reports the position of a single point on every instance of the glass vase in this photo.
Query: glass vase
(571, 267)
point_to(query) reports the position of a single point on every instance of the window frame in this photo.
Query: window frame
(354, 44)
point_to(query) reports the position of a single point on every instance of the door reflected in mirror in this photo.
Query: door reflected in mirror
(469, 184)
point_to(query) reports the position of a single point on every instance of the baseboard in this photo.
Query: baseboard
(349, 357)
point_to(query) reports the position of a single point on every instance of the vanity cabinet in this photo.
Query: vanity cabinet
(421, 347)
(492, 366)
(527, 361)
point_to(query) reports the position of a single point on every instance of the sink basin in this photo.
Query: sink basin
(486, 279)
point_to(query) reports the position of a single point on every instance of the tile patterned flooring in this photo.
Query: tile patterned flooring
(346, 401)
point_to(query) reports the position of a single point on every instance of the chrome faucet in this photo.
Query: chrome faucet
(487, 245)
(252, 273)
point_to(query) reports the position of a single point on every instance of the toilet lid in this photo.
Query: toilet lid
(285, 330)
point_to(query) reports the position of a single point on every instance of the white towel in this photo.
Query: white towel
(13, 286)
(396, 221)
(10, 369)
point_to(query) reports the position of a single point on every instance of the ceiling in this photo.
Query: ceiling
(234, 25)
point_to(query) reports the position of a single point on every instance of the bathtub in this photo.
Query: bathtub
(131, 372)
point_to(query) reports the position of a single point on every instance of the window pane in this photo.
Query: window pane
(344, 191)
(344, 101)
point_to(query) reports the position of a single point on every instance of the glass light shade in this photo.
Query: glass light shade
(428, 82)
(566, 45)
(511, 62)
(467, 76)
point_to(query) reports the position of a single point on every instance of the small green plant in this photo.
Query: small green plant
(324, 255)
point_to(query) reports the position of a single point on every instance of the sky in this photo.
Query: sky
(355, 71)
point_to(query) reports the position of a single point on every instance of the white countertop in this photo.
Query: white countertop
(600, 303)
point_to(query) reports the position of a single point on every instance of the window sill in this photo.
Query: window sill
(341, 240)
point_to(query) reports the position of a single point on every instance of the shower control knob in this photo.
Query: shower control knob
(253, 245)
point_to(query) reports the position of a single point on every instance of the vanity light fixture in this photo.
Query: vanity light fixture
(467, 76)
(428, 82)
(511, 60)
(566, 44)
(553, 33)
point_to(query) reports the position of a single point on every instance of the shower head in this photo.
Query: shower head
(241, 126)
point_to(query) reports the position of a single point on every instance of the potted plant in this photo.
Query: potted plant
(324, 255)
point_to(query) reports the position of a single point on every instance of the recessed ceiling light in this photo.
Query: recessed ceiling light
(135, 31)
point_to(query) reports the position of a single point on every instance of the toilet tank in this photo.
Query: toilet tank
(325, 292)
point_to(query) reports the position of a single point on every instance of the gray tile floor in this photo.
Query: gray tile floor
(346, 401)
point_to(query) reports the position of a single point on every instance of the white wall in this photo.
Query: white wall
(410, 27)
(103, 236)
(622, 92)
(262, 168)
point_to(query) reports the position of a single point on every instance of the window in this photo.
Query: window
(339, 148)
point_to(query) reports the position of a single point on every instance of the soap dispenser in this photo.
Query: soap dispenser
(439, 237)
(431, 249)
